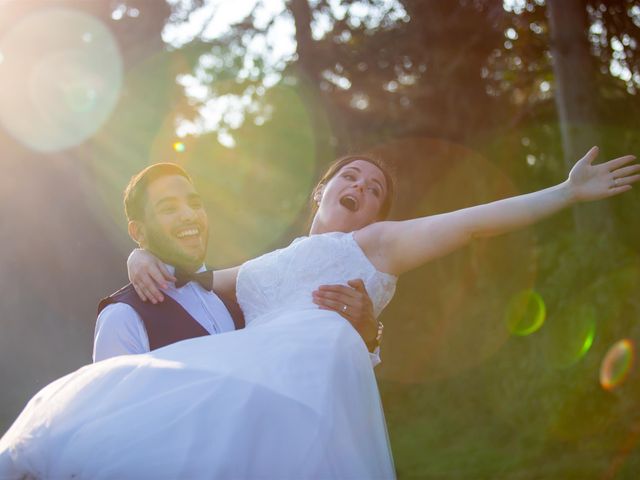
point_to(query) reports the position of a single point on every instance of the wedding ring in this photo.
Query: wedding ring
(344, 309)
(615, 182)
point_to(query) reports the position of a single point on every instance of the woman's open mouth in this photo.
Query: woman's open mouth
(349, 202)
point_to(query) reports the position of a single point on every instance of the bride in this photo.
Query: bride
(293, 395)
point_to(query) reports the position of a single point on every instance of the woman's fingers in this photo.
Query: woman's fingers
(158, 275)
(153, 294)
(618, 190)
(140, 293)
(165, 273)
(616, 163)
(148, 275)
(619, 182)
(626, 171)
(146, 287)
(590, 156)
(147, 292)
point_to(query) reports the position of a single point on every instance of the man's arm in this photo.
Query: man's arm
(119, 331)
(354, 304)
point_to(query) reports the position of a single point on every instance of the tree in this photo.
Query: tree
(576, 97)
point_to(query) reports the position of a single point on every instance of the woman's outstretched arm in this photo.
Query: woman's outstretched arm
(396, 247)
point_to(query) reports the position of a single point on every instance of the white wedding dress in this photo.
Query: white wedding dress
(292, 396)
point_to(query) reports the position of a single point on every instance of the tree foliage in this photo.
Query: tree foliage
(446, 69)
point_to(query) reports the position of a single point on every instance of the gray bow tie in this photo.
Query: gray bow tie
(205, 279)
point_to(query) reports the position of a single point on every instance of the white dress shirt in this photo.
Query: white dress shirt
(120, 330)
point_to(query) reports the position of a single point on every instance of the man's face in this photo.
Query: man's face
(175, 226)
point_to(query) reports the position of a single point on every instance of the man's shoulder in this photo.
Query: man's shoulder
(125, 295)
(119, 331)
(117, 313)
(116, 307)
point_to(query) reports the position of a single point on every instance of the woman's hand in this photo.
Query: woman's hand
(148, 275)
(592, 182)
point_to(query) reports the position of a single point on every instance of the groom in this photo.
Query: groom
(166, 217)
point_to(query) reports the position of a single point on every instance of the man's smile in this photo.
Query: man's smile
(188, 232)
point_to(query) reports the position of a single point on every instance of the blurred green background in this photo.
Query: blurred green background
(512, 359)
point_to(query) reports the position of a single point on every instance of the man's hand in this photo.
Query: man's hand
(353, 303)
(148, 275)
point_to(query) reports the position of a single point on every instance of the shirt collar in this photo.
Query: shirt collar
(172, 269)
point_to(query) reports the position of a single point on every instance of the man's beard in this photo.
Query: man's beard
(167, 250)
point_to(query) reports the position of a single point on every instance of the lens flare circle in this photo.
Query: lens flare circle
(617, 364)
(525, 313)
(572, 335)
(56, 87)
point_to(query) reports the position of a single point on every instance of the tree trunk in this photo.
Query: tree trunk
(576, 99)
(328, 124)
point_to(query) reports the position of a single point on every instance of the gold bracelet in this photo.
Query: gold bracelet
(379, 334)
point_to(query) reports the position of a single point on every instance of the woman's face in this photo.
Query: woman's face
(352, 198)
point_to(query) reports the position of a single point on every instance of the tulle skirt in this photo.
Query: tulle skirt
(292, 396)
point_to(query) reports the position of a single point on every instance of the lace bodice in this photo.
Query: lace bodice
(285, 278)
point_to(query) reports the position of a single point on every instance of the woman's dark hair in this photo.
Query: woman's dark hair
(335, 167)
